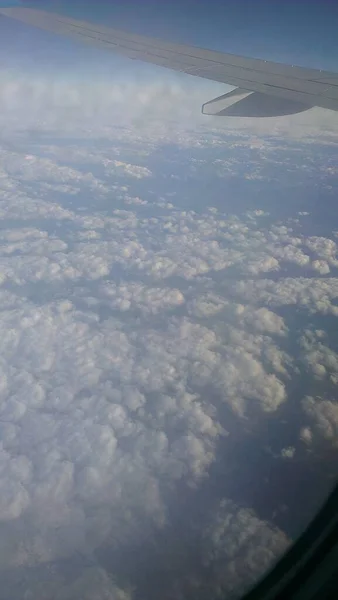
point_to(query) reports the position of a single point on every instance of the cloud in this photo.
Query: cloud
(326, 251)
(236, 546)
(221, 554)
(151, 97)
(318, 357)
(314, 295)
(135, 296)
(181, 244)
(132, 170)
(288, 452)
(262, 319)
(321, 266)
(96, 413)
(323, 421)
(73, 397)
(105, 101)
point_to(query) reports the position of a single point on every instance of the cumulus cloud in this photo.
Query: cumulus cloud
(236, 544)
(101, 415)
(88, 425)
(86, 407)
(314, 295)
(261, 319)
(175, 243)
(321, 266)
(325, 249)
(323, 421)
(318, 356)
(135, 296)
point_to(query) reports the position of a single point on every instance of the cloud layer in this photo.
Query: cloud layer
(143, 330)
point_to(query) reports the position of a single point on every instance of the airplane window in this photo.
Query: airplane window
(169, 293)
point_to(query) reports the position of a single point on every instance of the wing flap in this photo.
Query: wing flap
(243, 103)
(309, 87)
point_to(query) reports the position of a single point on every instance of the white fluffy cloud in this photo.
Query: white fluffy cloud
(325, 249)
(314, 295)
(318, 356)
(136, 296)
(86, 413)
(236, 545)
(323, 421)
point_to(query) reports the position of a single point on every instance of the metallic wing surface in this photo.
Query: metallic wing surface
(264, 88)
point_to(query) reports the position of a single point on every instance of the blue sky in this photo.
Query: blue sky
(283, 30)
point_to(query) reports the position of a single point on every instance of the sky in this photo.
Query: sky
(168, 306)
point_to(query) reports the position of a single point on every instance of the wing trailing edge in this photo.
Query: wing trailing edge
(244, 103)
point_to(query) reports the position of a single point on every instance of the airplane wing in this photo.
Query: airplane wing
(264, 88)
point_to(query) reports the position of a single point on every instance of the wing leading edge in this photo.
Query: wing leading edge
(264, 88)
